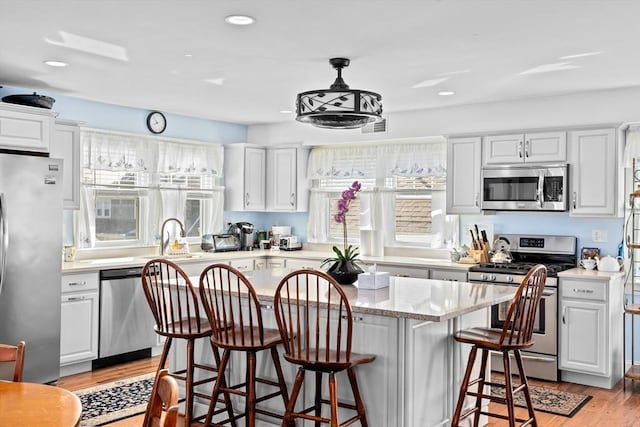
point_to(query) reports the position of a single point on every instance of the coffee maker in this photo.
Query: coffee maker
(245, 232)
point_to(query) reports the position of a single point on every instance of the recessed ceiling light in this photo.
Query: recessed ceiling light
(53, 63)
(286, 111)
(446, 93)
(239, 20)
(188, 55)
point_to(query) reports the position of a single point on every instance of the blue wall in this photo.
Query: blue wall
(553, 223)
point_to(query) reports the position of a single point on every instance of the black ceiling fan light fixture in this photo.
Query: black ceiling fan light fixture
(339, 107)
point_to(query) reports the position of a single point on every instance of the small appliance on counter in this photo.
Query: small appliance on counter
(290, 243)
(279, 231)
(220, 243)
(245, 232)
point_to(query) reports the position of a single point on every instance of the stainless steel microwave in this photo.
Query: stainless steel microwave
(526, 188)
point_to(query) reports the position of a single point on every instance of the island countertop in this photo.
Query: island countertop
(410, 298)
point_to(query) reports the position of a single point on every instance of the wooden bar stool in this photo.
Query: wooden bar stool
(162, 409)
(516, 335)
(14, 353)
(315, 322)
(235, 315)
(176, 310)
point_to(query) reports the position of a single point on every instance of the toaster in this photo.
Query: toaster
(290, 243)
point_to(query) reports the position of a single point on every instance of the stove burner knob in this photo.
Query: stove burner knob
(493, 278)
(482, 277)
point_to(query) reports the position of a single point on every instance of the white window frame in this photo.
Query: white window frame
(143, 207)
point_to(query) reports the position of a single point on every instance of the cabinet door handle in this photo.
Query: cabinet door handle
(564, 309)
(292, 199)
(75, 298)
(266, 307)
(246, 199)
(83, 283)
(520, 149)
(584, 291)
(354, 318)
(526, 148)
(476, 199)
(575, 198)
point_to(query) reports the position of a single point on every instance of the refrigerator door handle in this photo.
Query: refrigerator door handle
(4, 239)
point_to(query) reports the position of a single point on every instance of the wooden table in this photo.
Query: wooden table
(29, 404)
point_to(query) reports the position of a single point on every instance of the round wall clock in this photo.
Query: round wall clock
(156, 122)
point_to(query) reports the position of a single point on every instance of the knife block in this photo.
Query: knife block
(481, 255)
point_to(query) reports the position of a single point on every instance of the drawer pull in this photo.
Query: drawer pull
(83, 283)
(584, 291)
(75, 298)
(266, 306)
(354, 318)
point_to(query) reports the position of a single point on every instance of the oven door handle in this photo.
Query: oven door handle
(539, 359)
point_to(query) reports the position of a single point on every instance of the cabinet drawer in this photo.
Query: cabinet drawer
(79, 282)
(591, 290)
(243, 264)
(455, 276)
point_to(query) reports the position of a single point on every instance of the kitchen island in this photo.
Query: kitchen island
(408, 326)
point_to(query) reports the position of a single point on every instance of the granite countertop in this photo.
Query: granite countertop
(410, 298)
(89, 265)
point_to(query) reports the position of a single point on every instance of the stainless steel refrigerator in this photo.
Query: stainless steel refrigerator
(30, 260)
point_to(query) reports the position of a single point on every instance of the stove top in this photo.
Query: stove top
(520, 268)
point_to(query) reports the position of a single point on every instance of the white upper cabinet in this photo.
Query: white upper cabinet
(593, 169)
(463, 175)
(525, 148)
(244, 177)
(287, 185)
(25, 128)
(66, 145)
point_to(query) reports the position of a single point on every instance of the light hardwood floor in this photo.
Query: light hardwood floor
(607, 407)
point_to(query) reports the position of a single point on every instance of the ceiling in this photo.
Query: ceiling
(132, 52)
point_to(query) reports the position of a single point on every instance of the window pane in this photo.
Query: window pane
(192, 218)
(413, 218)
(352, 219)
(116, 218)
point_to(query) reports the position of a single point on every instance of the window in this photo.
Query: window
(403, 193)
(130, 184)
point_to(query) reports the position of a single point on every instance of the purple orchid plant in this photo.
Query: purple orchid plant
(350, 253)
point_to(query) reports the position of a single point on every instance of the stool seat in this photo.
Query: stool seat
(319, 365)
(188, 324)
(248, 338)
(489, 338)
(517, 334)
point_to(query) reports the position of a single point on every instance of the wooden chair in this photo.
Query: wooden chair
(162, 409)
(235, 314)
(176, 310)
(516, 335)
(315, 323)
(12, 353)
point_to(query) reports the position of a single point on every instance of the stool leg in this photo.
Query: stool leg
(222, 366)
(188, 403)
(297, 385)
(483, 371)
(250, 402)
(351, 373)
(508, 388)
(165, 352)
(226, 397)
(281, 383)
(333, 398)
(318, 397)
(455, 420)
(527, 395)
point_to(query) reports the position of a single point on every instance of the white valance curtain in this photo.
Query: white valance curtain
(104, 150)
(379, 161)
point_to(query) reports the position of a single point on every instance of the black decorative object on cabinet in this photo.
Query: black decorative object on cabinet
(344, 272)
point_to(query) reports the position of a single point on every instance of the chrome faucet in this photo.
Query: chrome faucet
(163, 243)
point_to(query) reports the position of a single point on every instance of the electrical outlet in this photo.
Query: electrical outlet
(599, 236)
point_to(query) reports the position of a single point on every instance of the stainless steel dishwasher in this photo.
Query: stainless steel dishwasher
(126, 322)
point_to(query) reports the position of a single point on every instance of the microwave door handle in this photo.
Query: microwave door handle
(4, 239)
(541, 190)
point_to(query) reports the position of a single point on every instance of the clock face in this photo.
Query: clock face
(156, 122)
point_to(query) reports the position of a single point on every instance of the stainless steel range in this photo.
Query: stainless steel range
(557, 253)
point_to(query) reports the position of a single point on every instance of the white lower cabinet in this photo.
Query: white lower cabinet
(79, 318)
(590, 330)
(401, 271)
(299, 264)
